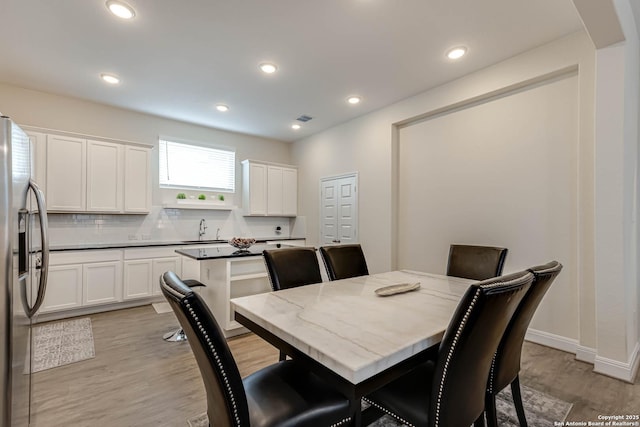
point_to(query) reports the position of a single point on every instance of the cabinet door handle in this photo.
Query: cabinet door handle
(335, 241)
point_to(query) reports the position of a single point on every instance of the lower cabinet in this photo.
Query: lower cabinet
(143, 268)
(83, 278)
(91, 278)
(137, 278)
(64, 288)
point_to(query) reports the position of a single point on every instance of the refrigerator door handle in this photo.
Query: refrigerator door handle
(44, 241)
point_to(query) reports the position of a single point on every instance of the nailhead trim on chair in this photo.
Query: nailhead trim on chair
(450, 354)
(339, 423)
(383, 409)
(492, 373)
(217, 357)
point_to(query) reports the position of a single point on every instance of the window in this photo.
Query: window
(194, 166)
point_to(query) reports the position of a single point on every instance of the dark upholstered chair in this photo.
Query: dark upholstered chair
(178, 335)
(475, 262)
(449, 391)
(344, 261)
(506, 364)
(292, 267)
(284, 394)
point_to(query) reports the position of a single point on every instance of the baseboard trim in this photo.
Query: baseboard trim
(558, 342)
(620, 370)
(586, 354)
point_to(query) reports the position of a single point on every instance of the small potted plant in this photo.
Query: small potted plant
(181, 196)
(202, 197)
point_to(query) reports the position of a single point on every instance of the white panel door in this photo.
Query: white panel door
(137, 179)
(256, 189)
(104, 177)
(102, 282)
(64, 288)
(289, 192)
(274, 190)
(162, 265)
(339, 210)
(66, 173)
(137, 279)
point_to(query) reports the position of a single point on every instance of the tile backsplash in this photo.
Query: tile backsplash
(163, 225)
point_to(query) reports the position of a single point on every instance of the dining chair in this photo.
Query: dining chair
(449, 390)
(178, 335)
(505, 369)
(292, 267)
(475, 262)
(284, 394)
(344, 261)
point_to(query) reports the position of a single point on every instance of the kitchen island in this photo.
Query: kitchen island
(229, 273)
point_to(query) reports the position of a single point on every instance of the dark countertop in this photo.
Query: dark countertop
(150, 244)
(225, 252)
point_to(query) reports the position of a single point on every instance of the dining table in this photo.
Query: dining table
(351, 335)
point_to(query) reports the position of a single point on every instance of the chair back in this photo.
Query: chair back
(467, 348)
(344, 261)
(226, 399)
(475, 262)
(506, 365)
(292, 267)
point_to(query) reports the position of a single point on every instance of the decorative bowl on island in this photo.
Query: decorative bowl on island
(242, 243)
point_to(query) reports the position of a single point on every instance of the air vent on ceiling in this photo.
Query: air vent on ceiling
(304, 118)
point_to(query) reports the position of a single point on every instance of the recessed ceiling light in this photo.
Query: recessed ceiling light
(120, 9)
(222, 107)
(268, 68)
(354, 100)
(295, 126)
(110, 78)
(457, 52)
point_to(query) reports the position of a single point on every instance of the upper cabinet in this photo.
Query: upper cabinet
(82, 175)
(269, 189)
(137, 176)
(66, 174)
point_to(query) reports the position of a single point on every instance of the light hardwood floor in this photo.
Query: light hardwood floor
(137, 379)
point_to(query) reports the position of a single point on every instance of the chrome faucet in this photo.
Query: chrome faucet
(218, 234)
(203, 229)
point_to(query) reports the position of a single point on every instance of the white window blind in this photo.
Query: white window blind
(194, 166)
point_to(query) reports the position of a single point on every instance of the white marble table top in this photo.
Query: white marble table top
(346, 327)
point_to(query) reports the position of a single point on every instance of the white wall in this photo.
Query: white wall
(369, 145)
(502, 172)
(49, 111)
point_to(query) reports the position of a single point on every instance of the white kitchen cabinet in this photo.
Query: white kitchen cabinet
(102, 282)
(143, 268)
(64, 288)
(159, 267)
(104, 177)
(80, 175)
(254, 188)
(269, 189)
(66, 174)
(289, 192)
(137, 176)
(137, 279)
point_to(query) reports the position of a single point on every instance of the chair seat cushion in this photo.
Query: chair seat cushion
(287, 395)
(408, 397)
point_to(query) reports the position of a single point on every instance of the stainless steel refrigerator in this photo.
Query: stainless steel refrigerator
(24, 260)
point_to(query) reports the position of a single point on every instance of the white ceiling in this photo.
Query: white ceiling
(178, 59)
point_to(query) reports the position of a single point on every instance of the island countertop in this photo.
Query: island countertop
(227, 252)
